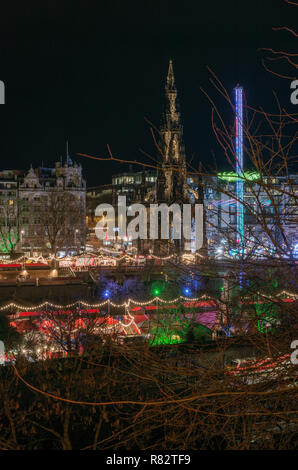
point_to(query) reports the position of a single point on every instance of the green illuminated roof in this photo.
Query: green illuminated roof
(232, 176)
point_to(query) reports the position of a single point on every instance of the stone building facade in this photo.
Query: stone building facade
(50, 209)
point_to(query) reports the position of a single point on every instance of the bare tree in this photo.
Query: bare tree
(62, 224)
(188, 395)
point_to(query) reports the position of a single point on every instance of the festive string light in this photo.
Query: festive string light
(91, 259)
(128, 302)
(163, 258)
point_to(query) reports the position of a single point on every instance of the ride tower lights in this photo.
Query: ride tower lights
(239, 169)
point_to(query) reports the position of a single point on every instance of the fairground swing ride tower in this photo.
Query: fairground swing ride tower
(238, 90)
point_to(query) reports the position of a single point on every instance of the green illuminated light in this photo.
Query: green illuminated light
(166, 339)
(232, 177)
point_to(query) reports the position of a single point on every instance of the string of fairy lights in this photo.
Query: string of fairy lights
(83, 303)
(129, 302)
(98, 255)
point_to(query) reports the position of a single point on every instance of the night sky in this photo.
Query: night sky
(92, 73)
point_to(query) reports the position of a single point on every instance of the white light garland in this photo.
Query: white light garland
(162, 258)
(127, 304)
(284, 292)
(105, 302)
(95, 255)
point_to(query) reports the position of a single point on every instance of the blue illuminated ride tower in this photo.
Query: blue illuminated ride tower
(239, 168)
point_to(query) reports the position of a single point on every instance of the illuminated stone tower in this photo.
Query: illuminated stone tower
(171, 179)
(171, 185)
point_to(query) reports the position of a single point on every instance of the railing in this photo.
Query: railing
(92, 276)
(72, 272)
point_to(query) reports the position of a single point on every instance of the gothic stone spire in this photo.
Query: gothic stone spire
(171, 127)
(170, 78)
(172, 174)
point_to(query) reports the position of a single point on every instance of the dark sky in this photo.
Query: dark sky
(91, 73)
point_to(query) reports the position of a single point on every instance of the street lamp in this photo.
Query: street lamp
(106, 295)
(22, 233)
(76, 231)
